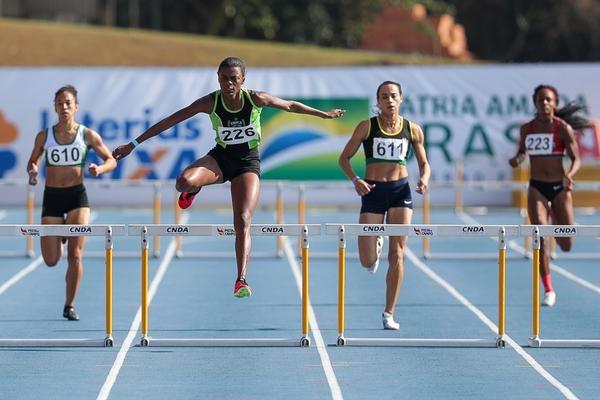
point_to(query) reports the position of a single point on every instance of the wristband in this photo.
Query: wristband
(355, 179)
(135, 143)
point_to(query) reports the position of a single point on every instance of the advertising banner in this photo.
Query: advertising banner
(469, 114)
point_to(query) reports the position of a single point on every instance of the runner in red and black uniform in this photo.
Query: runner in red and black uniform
(546, 139)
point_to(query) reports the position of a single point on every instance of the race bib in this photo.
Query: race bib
(237, 135)
(390, 149)
(65, 155)
(539, 143)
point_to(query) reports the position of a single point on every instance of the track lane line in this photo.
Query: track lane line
(334, 387)
(111, 378)
(566, 392)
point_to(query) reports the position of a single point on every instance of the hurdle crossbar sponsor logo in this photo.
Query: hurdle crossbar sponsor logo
(423, 231)
(84, 229)
(566, 230)
(25, 231)
(272, 229)
(473, 229)
(225, 231)
(182, 230)
(373, 228)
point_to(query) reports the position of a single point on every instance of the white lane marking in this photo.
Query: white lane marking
(334, 387)
(464, 301)
(21, 274)
(521, 250)
(116, 367)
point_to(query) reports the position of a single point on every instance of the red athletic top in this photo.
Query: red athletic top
(544, 144)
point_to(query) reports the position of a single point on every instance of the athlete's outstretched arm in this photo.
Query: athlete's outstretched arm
(202, 105)
(263, 99)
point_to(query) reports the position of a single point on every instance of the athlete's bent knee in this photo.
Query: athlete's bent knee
(183, 184)
(565, 244)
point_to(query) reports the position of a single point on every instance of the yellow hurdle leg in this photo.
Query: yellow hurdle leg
(536, 283)
(109, 287)
(144, 305)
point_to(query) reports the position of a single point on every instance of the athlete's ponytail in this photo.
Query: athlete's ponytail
(572, 116)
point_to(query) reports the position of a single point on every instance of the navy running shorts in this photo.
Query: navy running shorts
(386, 195)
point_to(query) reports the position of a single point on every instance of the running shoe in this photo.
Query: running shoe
(549, 299)
(70, 314)
(373, 268)
(241, 288)
(388, 322)
(186, 199)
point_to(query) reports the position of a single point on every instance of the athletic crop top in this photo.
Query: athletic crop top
(380, 146)
(544, 144)
(64, 155)
(235, 127)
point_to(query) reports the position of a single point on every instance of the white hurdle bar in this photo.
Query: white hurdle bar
(146, 231)
(536, 233)
(502, 232)
(277, 253)
(108, 231)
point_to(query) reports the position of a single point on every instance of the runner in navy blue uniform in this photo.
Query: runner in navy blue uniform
(385, 193)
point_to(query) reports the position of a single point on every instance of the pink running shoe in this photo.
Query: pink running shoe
(241, 288)
(186, 199)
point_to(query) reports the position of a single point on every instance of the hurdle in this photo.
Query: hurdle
(108, 231)
(426, 252)
(278, 253)
(501, 232)
(536, 232)
(147, 231)
(29, 210)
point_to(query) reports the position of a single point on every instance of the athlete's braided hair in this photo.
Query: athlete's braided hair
(569, 113)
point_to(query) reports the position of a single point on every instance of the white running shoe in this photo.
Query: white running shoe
(373, 268)
(549, 299)
(388, 321)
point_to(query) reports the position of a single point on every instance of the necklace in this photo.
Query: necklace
(389, 126)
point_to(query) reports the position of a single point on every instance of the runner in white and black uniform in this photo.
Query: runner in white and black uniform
(65, 148)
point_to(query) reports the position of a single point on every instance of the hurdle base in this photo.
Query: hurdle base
(558, 343)
(469, 256)
(223, 254)
(116, 254)
(17, 254)
(219, 342)
(55, 342)
(419, 342)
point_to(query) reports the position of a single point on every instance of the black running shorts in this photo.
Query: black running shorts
(59, 201)
(236, 159)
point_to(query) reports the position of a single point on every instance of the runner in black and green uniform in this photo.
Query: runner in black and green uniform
(235, 115)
